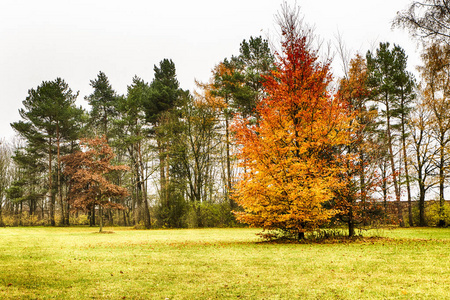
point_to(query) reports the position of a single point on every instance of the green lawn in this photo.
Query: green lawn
(77, 263)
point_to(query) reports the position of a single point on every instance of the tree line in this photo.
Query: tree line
(266, 141)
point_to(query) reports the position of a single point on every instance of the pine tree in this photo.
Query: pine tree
(103, 104)
(392, 87)
(49, 117)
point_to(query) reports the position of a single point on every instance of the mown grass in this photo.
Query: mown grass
(77, 263)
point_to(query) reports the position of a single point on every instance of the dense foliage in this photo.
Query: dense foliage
(272, 140)
(290, 158)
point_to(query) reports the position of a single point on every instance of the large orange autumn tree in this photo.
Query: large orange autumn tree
(291, 161)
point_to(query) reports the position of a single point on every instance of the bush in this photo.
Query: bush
(23, 220)
(209, 215)
(81, 219)
(432, 213)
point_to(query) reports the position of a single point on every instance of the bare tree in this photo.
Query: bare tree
(427, 19)
(5, 162)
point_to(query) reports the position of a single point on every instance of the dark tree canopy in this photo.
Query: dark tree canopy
(48, 107)
(102, 101)
(239, 80)
(50, 118)
(164, 91)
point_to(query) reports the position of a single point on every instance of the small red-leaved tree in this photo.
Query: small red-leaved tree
(87, 170)
(292, 159)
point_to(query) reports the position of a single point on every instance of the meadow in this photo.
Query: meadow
(79, 263)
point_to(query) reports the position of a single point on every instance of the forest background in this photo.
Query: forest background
(181, 155)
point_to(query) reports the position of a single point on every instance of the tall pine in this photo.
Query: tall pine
(49, 117)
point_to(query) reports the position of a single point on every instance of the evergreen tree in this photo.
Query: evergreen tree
(255, 60)
(49, 116)
(131, 137)
(102, 101)
(405, 95)
(239, 82)
(391, 86)
(161, 110)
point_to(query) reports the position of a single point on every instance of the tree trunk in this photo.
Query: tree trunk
(58, 174)
(362, 181)
(1, 215)
(30, 204)
(300, 236)
(50, 184)
(227, 133)
(384, 183)
(147, 220)
(138, 202)
(408, 187)
(92, 216)
(422, 221)
(164, 174)
(100, 216)
(351, 223)
(441, 186)
(421, 184)
(43, 207)
(124, 218)
(394, 172)
(20, 213)
(67, 213)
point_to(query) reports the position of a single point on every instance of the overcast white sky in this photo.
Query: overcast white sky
(75, 39)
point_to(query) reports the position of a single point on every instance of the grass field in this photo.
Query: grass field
(78, 263)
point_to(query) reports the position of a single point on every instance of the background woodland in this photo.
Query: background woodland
(272, 140)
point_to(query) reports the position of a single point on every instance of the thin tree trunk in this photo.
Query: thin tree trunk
(20, 213)
(384, 183)
(408, 186)
(124, 218)
(422, 221)
(441, 186)
(1, 215)
(100, 216)
(421, 183)
(58, 174)
(147, 219)
(362, 184)
(92, 221)
(50, 184)
(137, 201)
(67, 213)
(227, 133)
(394, 173)
(351, 222)
(162, 172)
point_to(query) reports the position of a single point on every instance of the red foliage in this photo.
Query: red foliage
(291, 158)
(88, 169)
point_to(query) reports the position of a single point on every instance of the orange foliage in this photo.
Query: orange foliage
(87, 171)
(355, 200)
(208, 96)
(291, 159)
(355, 87)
